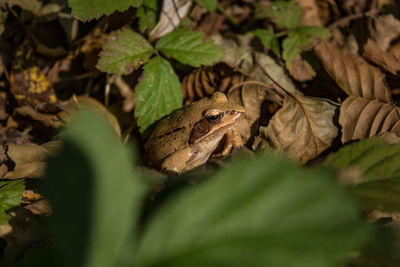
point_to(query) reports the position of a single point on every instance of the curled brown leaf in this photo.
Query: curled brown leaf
(353, 74)
(363, 118)
(303, 128)
(384, 59)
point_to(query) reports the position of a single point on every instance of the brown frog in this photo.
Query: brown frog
(189, 136)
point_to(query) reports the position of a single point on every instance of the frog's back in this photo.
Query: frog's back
(171, 134)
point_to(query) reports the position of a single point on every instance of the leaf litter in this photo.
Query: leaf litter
(271, 64)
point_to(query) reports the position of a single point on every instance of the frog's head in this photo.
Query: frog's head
(217, 116)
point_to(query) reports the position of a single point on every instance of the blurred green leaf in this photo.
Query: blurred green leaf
(286, 14)
(375, 157)
(147, 14)
(93, 9)
(258, 212)
(298, 40)
(371, 167)
(268, 39)
(124, 52)
(10, 197)
(95, 192)
(158, 93)
(210, 5)
(189, 47)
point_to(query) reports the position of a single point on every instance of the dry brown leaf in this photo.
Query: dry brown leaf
(303, 128)
(265, 64)
(384, 59)
(258, 66)
(353, 74)
(29, 196)
(362, 118)
(30, 87)
(301, 70)
(79, 102)
(41, 207)
(394, 51)
(205, 81)
(251, 97)
(172, 14)
(28, 115)
(30, 159)
(310, 13)
(387, 28)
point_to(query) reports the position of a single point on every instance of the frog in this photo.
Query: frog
(189, 136)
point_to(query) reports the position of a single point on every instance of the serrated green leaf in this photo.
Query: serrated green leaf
(124, 52)
(258, 212)
(298, 40)
(286, 14)
(93, 9)
(375, 157)
(158, 93)
(189, 48)
(95, 192)
(147, 14)
(373, 166)
(10, 197)
(268, 39)
(210, 5)
(378, 195)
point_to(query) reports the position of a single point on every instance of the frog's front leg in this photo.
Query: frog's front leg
(232, 139)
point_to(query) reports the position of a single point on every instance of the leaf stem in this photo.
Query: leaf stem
(280, 34)
(227, 15)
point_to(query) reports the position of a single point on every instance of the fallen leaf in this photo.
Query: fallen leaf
(310, 13)
(30, 159)
(394, 51)
(29, 196)
(172, 14)
(386, 29)
(362, 118)
(31, 87)
(267, 65)
(41, 207)
(251, 97)
(384, 59)
(300, 70)
(353, 74)
(28, 115)
(303, 128)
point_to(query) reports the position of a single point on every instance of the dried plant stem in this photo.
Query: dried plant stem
(227, 15)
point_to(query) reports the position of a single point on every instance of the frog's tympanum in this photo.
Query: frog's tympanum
(189, 136)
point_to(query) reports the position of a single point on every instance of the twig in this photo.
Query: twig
(349, 18)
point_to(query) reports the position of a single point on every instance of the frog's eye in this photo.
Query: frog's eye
(214, 118)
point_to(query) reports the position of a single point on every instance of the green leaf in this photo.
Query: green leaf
(158, 93)
(210, 5)
(10, 197)
(93, 9)
(147, 14)
(375, 157)
(124, 52)
(268, 39)
(286, 14)
(95, 192)
(371, 168)
(298, 40)
(259, 212)
(189, 48)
